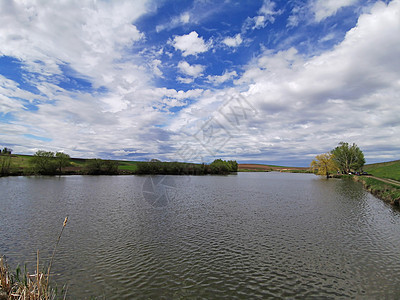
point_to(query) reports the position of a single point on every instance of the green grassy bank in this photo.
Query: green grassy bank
(386, 191)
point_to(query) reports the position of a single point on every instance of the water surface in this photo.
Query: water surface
(239, 236)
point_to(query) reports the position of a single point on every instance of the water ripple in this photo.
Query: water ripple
(247, 236)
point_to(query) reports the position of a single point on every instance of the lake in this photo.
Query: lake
(250, 235)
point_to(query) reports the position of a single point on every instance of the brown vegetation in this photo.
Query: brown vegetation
(267, 168)
(27, 286)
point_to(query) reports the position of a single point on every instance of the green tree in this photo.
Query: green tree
(98, 166)
(6, 151)
(44, 162)
(233, 165)
(348, 158)
(324, 164)
(93, 166)
(110, 167)
(220, 166)
(62, 160)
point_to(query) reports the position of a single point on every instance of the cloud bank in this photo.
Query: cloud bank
(88, 78)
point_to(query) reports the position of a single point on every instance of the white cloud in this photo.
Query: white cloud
(190, 44)
(328, 37)
(325, 8)
(307, 105)
(123, 152)
(94, 40)
(85, 35)
(182, 19)
(223, 78)
(155, 65)
(266, 14)
(190, 70)
(186, 80)
(233, 41)
(268, 10)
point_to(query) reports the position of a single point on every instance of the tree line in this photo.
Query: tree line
(57, 163)
(218, 166)
(344, 159)
(50, 163)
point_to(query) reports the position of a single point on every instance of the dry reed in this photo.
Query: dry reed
(27, 287)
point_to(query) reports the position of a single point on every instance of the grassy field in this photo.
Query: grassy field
(127, 165)
(21, 161)
(22, 164)
(389, 170)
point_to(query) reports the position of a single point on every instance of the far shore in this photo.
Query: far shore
(269, 168)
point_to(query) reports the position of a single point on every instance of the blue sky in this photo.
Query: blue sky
(264, 81)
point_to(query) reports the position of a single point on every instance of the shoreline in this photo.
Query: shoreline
(388, 192)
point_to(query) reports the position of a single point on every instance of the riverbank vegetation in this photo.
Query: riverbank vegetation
(348, 161)
(218, 166)
(59, 163)
(383, 190)
(324, 164)
(344, 159)
(49, 163)
(26, 286)
(5, 161)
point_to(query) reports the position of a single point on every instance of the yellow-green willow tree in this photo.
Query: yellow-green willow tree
(324, 164)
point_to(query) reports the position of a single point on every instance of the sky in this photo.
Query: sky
(257, 81)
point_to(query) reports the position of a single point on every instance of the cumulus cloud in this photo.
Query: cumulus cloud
(302, 105)
(337, 91)
(233, 41)
(93, 41)
(190, 44)
(190, 70)
(81, 34)
(307, 105)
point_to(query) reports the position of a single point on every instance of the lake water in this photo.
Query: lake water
(251, 235)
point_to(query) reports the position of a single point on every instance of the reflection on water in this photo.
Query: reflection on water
(238, 236)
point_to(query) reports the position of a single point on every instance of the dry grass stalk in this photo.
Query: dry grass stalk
(29, 287)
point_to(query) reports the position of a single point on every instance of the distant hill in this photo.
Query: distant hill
(389, 169)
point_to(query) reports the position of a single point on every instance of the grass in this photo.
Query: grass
(28, 286)
(127, 165)
(389, 170)
(21, 161)
(20, 164)
(386, 191)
